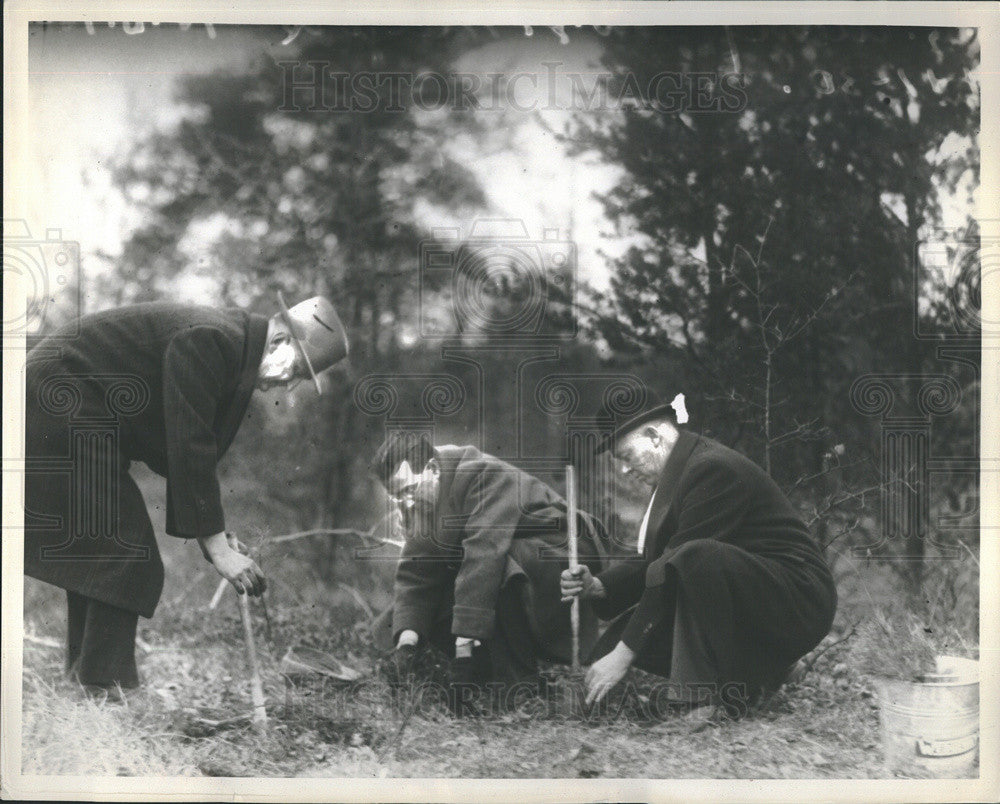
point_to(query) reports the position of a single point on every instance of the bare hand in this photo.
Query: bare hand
(606, 672)
(224, 551)
(233, 541)
(241, 571)
(579, 583)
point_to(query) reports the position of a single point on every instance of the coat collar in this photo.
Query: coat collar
(449, 458)
(253, 351)
(666, 486)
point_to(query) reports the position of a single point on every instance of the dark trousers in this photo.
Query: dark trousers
(676, 649)
(680, 649)
(100, 643)
(512, 652)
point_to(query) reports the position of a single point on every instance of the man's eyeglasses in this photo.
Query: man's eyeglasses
(406, 495)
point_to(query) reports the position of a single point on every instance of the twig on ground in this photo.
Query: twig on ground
(971, 554)
(362, 603)
(219, 592)
(809, 664)
(392, 744)
(287, 537)
(48, 642)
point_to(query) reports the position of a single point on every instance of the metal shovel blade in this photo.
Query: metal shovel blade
(309, 661)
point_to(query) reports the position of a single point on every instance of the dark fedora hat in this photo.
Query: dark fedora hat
(673, 412)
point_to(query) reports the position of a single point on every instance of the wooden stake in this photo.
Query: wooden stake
(256, 687)
(574, 561)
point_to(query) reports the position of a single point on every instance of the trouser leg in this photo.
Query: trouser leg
(693, 668)
(676, 648)
(512, 653)
(106, 653)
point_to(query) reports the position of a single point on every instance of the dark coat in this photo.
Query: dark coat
(724, 535)
(164, 384)
(494, 522)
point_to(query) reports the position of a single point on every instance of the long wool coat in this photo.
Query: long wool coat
(494, 522)
(724, 535)
(160, 383)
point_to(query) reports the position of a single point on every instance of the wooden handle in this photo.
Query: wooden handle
(256, 687)
(574, 561)
(574, 556)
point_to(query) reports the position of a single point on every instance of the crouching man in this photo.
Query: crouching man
(478, 577)
(168, 385)
(728, 588)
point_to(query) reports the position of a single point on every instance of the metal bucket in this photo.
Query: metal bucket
(930, 728)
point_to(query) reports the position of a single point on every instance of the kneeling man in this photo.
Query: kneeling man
(728, 588)
(478, 576)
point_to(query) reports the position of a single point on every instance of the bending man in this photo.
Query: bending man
(167, 385)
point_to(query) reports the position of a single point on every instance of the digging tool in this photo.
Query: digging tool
(566, 692)
(256, 687)
(305, 661)
(574, 561)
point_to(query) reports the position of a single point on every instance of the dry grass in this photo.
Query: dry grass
(824, 725)
(65, 732)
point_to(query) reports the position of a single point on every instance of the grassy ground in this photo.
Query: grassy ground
(824, 724)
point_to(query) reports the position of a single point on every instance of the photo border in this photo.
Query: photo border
(983, 16)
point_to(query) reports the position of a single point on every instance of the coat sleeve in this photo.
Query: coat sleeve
(711, 505)
(623, 583)
(420, 574)
(197, 365)
(493, 497)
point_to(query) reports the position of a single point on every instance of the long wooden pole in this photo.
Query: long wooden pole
(574, 561)
(256, 687)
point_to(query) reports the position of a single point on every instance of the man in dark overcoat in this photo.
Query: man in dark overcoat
(727, 589)
(479, 572)
(168, 385)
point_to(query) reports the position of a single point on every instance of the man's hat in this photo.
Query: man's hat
(317, 331)
(673, 411)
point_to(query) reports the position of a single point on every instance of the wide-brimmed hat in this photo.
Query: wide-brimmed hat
(317, 331)
(655, 412)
